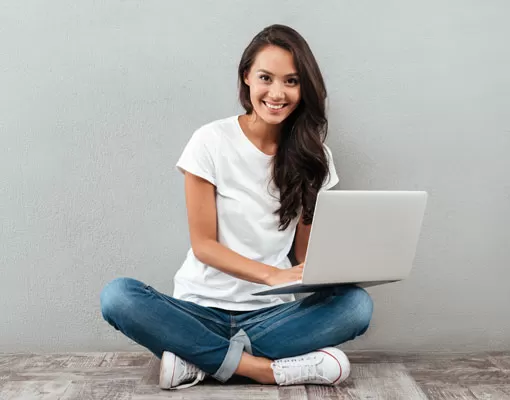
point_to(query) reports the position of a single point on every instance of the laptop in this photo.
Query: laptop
(366, 238)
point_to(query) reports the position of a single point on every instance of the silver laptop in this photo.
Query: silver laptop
(366, 238)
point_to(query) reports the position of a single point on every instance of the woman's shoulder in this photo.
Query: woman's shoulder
(328, 151)
(220, 126)
(211, 134)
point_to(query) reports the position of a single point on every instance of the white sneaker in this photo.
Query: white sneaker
(327, 366)
(174, 371)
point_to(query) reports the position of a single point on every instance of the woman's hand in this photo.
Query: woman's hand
(286, 275)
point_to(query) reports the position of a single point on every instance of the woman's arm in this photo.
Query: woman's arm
(202, 220)
(301, 240)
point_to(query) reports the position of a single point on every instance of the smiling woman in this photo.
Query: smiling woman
(284, 95)
(251, 183)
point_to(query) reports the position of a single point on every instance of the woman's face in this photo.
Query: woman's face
(274, 84)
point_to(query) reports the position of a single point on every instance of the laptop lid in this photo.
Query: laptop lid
(362, 236)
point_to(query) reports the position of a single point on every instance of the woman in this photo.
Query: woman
(251, 183)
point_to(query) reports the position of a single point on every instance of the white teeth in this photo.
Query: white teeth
(274, 107)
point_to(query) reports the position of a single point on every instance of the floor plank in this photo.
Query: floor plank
(9, 362)
(214, 392)
(378, 370)
(500, 361)
(33, 390)
(103, 390)
(77, 374)
(394, 388)
(84, 360)
(446, 392)
(127, 359)
(491, 392)
(318, 392)
(297, 392)
(463, 370)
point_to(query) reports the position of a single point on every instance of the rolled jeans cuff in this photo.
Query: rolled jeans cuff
(238, 343)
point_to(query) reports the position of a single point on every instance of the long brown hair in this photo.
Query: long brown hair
(300, 165)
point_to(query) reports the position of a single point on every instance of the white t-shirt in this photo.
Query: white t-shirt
(246, 199)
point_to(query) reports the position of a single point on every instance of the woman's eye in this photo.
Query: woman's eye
(265, 78)
(293, 81)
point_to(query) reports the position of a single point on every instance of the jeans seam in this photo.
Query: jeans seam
(232, 324)
(154, 291)
(291, 317)
(283, 308)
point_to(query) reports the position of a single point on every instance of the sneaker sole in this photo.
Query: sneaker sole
(166, 360)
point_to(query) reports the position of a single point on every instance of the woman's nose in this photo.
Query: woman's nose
(276, 92)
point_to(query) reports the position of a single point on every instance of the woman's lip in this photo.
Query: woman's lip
(274, 110)
(274, 104)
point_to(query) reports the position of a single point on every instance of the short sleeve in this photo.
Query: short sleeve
(332, 178)
(199, 155)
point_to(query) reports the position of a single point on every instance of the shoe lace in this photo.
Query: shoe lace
(301, 369)
(190, 372)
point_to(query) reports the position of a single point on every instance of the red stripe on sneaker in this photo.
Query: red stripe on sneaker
(339, 366)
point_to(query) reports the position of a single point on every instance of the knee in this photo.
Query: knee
(362, 306)
(116, 295)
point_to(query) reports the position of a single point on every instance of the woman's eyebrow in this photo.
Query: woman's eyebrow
(270, 73)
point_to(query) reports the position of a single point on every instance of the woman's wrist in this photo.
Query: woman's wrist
(268, 274)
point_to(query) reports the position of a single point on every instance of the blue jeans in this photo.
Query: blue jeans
(214, 339)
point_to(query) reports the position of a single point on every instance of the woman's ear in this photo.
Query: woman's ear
(245, 78)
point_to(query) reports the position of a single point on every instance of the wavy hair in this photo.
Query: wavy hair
(300, 164)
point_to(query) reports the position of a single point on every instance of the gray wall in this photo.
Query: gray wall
(97, 101)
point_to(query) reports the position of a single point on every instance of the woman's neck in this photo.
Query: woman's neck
(265, 136)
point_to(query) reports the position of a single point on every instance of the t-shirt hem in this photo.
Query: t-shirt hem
(242, 306)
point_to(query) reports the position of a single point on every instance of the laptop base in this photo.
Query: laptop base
(304, 288)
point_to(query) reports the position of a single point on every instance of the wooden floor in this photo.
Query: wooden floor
(134, 376)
